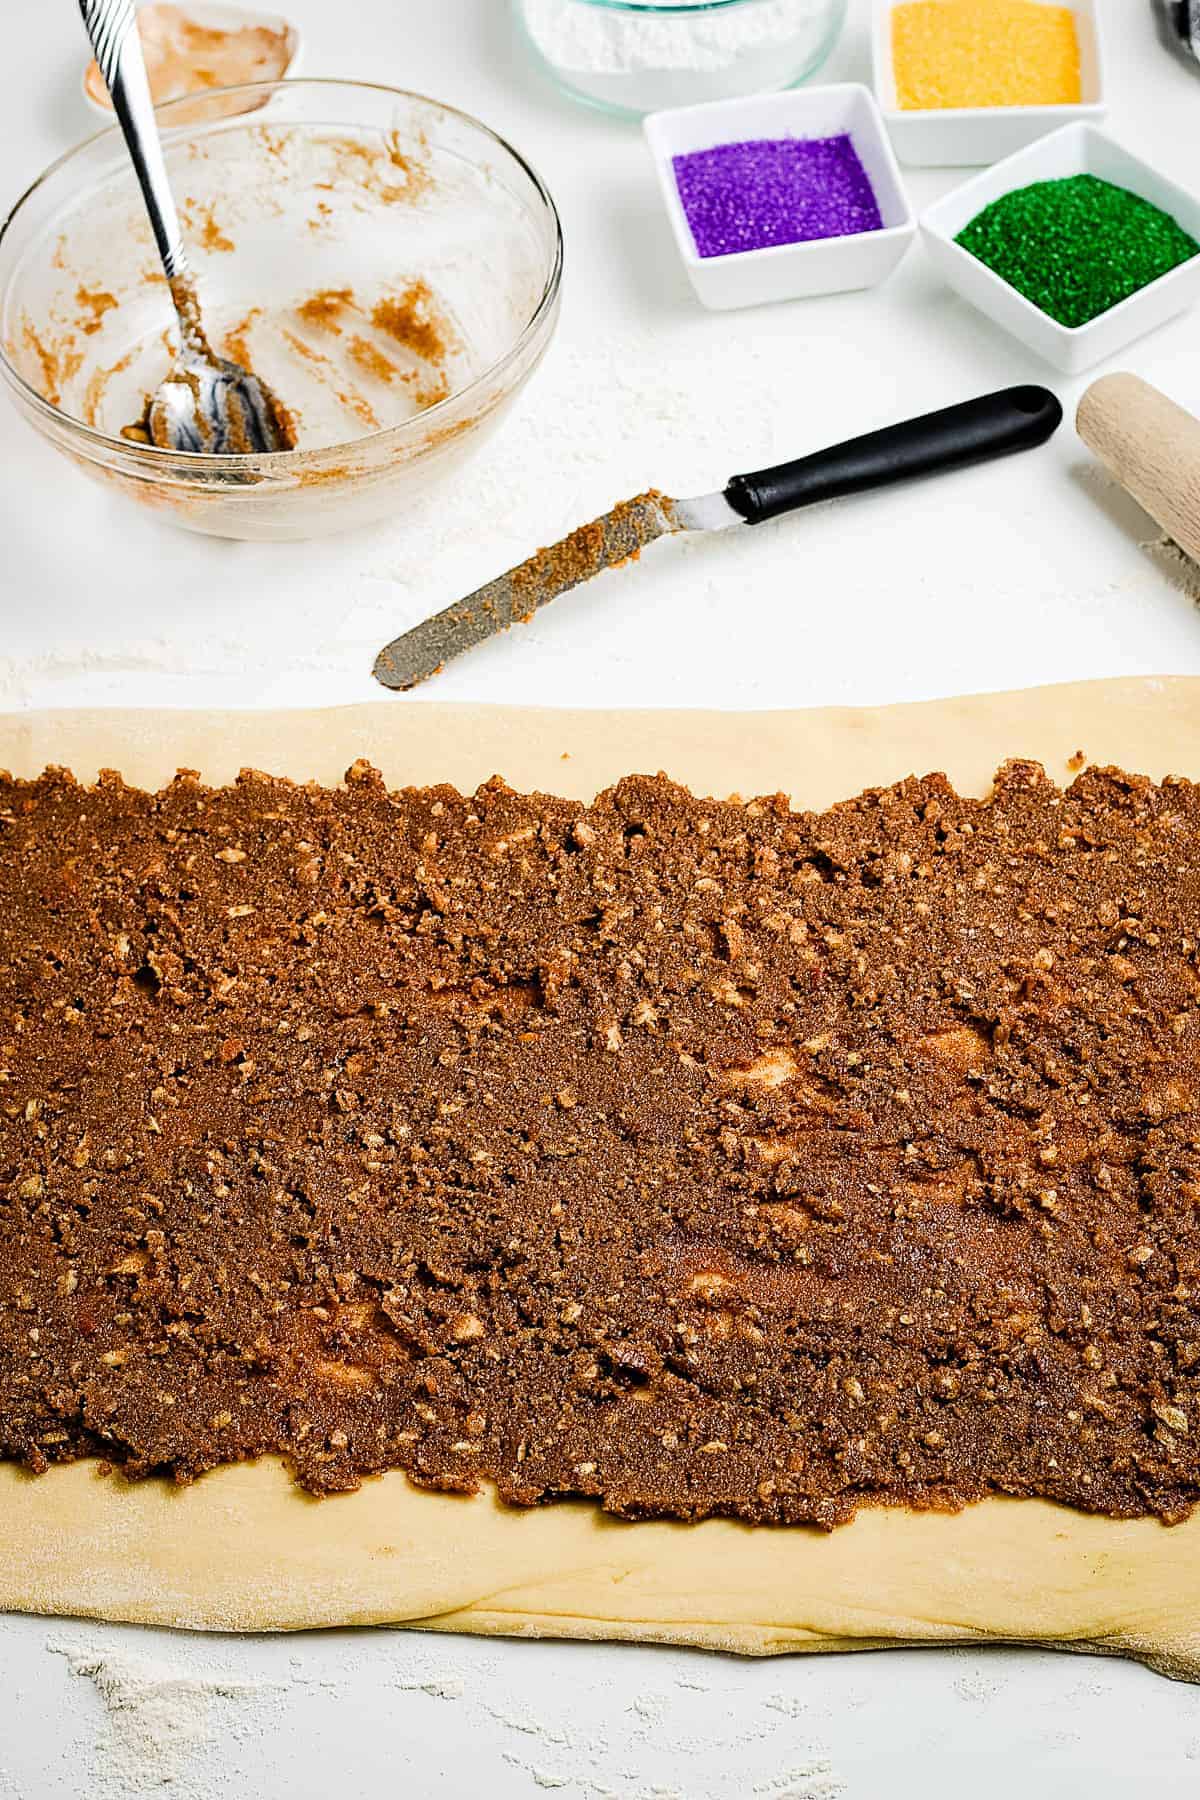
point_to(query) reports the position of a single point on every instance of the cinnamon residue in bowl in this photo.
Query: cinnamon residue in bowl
(55, 362)
(373, 361)
(411, 318)
(204, 228)
(325, 309)
(93, 304)
(397, 171)
(188, 53)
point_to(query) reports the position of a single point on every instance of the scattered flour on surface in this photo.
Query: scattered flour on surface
(648, 1709)
(811, 1781)
(438, 1687)
(528, 1726)
(976, 1687)
(1089, 1690)
(158, 1718)
(703, 1744)
(190, 1725)
(603, 421)
(544, 1778)
(1173, 561)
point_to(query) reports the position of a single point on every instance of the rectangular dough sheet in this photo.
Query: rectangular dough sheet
(244, 1549)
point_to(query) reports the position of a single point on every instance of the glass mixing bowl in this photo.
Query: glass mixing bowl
(640, 56)
(389, 265)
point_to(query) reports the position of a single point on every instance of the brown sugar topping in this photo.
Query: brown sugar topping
(698, 1157)
(605, 543)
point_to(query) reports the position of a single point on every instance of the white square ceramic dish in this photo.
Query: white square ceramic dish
(961, 136)
(787, 271)
(1075, 150)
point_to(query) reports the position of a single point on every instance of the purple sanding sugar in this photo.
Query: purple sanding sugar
(775, 191)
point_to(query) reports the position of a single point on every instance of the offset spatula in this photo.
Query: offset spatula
(1017, 418)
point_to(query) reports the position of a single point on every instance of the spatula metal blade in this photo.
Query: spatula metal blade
(618, 537)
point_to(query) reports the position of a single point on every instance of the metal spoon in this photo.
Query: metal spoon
(207, 405)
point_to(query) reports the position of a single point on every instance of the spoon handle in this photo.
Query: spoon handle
(112, 28)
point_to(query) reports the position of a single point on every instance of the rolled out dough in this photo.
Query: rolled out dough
(244, 1549)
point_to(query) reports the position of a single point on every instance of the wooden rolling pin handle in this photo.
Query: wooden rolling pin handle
(1152, 446)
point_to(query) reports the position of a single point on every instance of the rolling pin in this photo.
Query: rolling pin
(1151, 446)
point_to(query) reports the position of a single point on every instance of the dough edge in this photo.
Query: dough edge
(243, 1549)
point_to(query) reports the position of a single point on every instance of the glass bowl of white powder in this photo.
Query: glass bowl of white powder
(642, 56)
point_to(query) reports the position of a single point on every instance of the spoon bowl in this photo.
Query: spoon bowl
(208, 405)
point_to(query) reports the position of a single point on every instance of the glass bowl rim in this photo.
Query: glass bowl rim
(147, 456)
(685, 9)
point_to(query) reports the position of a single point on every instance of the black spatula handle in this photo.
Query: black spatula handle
(1016, 418)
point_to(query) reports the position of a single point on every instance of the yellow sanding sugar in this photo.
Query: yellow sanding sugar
(985, 53)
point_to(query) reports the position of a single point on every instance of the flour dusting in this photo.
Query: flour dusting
(609, 418)
(1171, 560)
(787, 1704)
(438, 1687)
(158, 1718)
(812, 1781)
(648, 1710)
(189, 1725)
(975, 1687)
(528, 1726)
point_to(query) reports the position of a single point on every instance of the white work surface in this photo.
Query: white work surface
(1033, 571)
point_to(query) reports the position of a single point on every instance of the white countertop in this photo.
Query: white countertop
(1031, 571)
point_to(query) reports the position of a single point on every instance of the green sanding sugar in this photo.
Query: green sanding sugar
(1076, 246)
